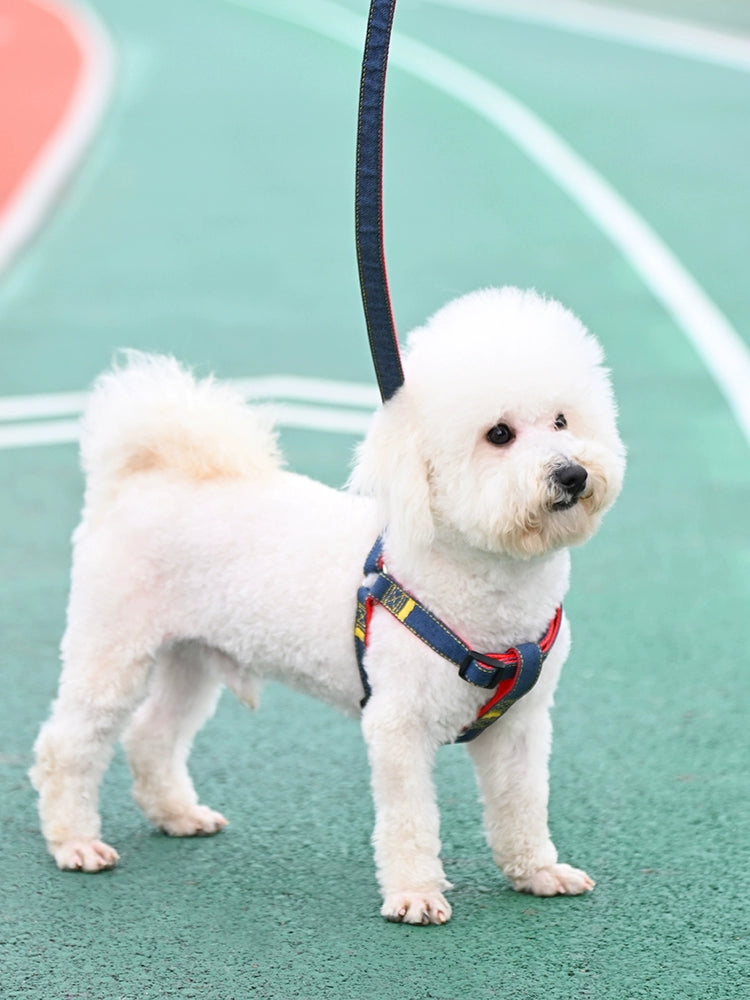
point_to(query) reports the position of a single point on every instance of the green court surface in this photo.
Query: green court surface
(212, 218)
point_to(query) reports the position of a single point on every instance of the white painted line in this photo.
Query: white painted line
(722, 350)
(40, 433)
(310, 389)
(321, 418)
(64, 148)
(646, 31)
(295, 401)
(58, 404)
(264, 387)
(293, 415)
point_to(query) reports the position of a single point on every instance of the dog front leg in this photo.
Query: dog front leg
(407, 825)
(511, 763)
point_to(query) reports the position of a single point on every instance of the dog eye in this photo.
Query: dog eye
(560, 422)
(500, 434)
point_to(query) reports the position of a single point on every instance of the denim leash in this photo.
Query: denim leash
(373, 279)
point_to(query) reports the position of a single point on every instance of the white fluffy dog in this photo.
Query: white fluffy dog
(199, 562)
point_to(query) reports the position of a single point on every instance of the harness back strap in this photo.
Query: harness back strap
(512, 673)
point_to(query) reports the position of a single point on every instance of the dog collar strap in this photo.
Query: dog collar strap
(513, 673)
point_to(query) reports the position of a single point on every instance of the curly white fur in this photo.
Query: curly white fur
(186, 559)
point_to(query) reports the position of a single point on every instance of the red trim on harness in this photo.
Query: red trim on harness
(505, 686)
(369, 605)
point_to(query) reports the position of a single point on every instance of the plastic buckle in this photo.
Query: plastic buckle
(500, 671)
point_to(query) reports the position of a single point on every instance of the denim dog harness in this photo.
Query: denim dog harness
(513, 673)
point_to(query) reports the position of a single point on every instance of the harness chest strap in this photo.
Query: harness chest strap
(512, 673)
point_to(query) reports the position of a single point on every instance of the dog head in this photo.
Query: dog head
(504, 434)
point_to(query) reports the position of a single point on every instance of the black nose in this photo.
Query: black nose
(572, 478)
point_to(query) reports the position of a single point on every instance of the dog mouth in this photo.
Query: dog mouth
(565, 504)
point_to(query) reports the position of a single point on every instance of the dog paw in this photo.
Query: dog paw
(85, 856)
(555, 880)
(198, 821)
(416, 908)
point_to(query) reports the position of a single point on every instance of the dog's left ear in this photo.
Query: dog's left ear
(391, 467)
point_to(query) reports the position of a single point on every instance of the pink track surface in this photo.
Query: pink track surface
(40, 65)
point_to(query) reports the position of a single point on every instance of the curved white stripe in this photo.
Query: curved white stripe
(65, 146)
(723, 351)
(646, 31)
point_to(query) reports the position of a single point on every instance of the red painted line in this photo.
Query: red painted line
(54, 74)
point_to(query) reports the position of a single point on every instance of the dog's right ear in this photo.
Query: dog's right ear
(390, 466)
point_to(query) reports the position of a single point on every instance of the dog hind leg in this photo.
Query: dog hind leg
(183, 695)
(74, 749)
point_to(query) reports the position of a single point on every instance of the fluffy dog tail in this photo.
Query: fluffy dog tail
(152, 414)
